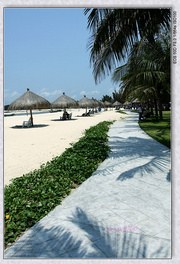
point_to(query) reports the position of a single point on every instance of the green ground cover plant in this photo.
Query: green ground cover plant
(160, 130)
(30, 197)
(121, 112)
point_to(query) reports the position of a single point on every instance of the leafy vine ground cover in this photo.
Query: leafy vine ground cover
(30, 197)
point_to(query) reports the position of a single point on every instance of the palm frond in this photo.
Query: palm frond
(115, 30)
(119, 72)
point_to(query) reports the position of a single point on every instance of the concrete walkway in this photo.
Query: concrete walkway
(131, 188)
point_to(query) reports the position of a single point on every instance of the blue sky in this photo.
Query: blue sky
(45, 49)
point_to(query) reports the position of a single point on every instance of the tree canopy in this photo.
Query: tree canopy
(146, 75)
(114, 31)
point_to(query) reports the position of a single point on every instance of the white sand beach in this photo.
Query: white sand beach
(25, 149)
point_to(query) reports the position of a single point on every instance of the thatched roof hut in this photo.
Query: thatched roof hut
(106, 103)
(85, 102)
(126, 103)
(64, 101)
(101, 103)
(95, 103)
(117, 103)
(29, 101)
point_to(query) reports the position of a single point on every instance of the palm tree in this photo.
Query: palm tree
(114, 31)
(147, 71)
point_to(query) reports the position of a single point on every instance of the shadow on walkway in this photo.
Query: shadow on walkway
(77, 233)
(81, 236)
(156, 157)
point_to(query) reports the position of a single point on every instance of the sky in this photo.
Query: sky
(45, 50)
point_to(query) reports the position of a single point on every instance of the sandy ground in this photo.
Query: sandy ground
(25, 149)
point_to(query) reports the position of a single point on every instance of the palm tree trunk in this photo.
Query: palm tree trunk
(152, 108)
(156, 109)
(159, 102)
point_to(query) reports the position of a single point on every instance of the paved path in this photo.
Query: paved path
(131, 188)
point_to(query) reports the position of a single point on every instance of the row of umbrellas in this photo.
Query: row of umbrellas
(30, 100)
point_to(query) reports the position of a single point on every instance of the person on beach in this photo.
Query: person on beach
(140, 112)
(65, 115)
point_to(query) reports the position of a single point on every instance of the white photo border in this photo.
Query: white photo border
(175, 138)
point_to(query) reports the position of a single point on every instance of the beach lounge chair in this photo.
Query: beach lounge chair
(66, 116)
(70, 115)
(63, 117)
(27, 123)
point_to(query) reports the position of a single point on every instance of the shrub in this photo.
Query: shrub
(30, 197)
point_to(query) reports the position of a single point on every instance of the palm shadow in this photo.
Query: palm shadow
(156, 157)
(150, 168)
(169, 176)
(83, 236)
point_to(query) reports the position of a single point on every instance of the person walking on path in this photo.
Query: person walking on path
(140, 112)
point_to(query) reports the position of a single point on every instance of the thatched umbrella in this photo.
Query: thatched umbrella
(126, 103)
(116, 103)
(135, 102)
(64, 101)
(95, 103)
(85, 102)
(107, 104)
(29, 101)
(101, 103)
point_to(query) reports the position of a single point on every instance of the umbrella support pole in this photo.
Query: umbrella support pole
(64, 114)
(31, 117)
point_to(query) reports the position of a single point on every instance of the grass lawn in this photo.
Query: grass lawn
(159, 130)
(121, 112)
